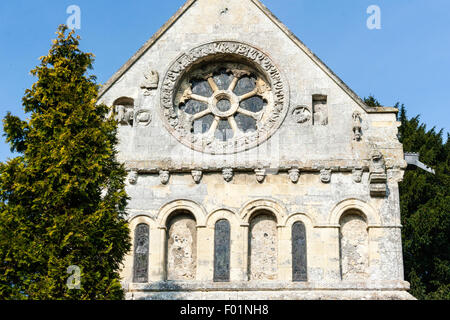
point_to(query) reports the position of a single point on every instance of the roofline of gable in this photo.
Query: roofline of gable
(275, 20)
(145, 47)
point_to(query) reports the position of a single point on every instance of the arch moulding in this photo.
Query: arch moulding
(369, 213)
(181, 205)
(272, 206)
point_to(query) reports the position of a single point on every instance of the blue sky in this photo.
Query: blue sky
(407, 60)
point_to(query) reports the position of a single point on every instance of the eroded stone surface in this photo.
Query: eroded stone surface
(263, 248)
(182, 249)
(354, 248)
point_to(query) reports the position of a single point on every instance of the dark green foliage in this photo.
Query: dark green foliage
(425, 210)
(425, 205)
(62, 201)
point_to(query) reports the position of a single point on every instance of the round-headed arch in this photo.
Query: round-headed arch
(355, 205)
(256, 206)
(172, 207)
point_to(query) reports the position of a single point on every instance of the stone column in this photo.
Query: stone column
(158, 246)
(205, 257)
(284, 254)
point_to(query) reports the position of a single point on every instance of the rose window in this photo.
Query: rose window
(223, 97)
(226, 103)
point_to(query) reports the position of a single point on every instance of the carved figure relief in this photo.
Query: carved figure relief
(320, 109)
(232, 98)
(301, 114)
(151, 80)
(182, 248)
(378, 176)
(377, 164)
(357, 131)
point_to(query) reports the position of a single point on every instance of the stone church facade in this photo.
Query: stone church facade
(254, 171)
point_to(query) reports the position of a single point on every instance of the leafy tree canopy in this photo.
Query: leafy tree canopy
(62, 201)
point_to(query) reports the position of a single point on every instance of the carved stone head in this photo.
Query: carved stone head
(260, 175)
(294, 175)
(325, 175)
(197, 175)
(227, 174)
(164, 176)
(377, 164)
(133, 177)
(357, 175)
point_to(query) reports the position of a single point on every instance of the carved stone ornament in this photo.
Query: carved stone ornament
(260, 175)
(294, 175)
(151, 82)
(143, 117)
(301, 114)
(378, 176)
(124, 114)
(357, 131)
(377, 164)
(223, 97)
(227, 174)
(357, 175)
(325, 175)
(197, 176)
(164, 176)
(133, 177)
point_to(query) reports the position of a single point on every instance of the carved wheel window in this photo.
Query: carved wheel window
(223, 97)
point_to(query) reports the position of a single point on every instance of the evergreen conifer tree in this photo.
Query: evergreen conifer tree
(62, 200)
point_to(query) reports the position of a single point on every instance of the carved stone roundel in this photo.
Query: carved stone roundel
(223, 97)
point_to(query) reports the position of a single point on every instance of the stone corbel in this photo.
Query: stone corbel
(133, 177)
(260, 175)
(378, 176)
(197, 176)
(294, 175)
(357, 174)
(164, 176)
(325, 175)
(227, 174)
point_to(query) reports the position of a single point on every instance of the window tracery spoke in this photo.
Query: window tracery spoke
(246, 96)
(233, 83)
(214, 125)
(254, 115)
(212, 84)
(198, 98)
(234, 126)
(201, 114)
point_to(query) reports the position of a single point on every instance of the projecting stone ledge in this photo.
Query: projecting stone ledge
(276, 290)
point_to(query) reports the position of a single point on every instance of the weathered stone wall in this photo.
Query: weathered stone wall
(315, 154)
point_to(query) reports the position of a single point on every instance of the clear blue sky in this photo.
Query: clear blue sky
(407, 61)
